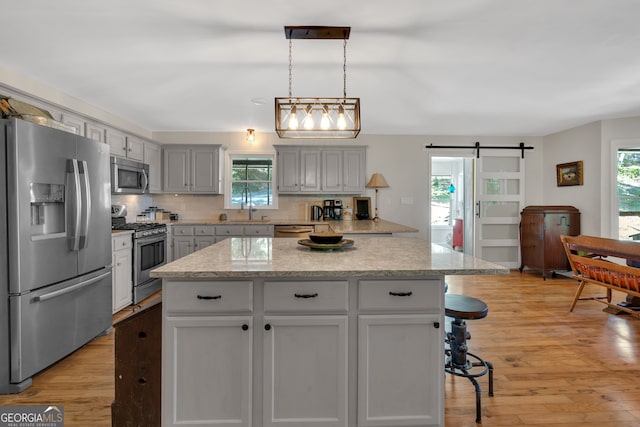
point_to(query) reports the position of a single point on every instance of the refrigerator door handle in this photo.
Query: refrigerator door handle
(76, 210)
(70, 289)
(86, 205)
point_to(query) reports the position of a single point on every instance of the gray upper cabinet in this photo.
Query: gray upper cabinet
(321, 170)
(153, 157)
(123, 145)
(191, 169)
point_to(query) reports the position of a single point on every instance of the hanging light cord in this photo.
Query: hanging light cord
(290, 69)
(344, 68)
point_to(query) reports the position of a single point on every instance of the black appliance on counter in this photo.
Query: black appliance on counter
(332, 209)
(149, 252)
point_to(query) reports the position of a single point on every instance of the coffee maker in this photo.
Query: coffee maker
(332, 209)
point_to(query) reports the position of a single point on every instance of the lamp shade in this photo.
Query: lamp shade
(377, 181)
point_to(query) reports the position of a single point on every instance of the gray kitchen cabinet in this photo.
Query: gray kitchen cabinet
(94, 131)
(123, 145)
(402, 386)
(321, 170)
(302, 329)
(208, 351)
(298, 170)
(237, 230)
(77, 122)
(191, 169)
(121, 259)
(331, 352)
(354, 174)
(186, 239)
(153, 157)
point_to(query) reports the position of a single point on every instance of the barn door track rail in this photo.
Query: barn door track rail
(477, 147)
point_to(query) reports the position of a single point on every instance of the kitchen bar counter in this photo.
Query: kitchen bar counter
(345, 227)
(261, 331)
(369, 256)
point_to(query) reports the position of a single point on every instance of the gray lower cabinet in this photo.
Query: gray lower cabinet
(272, 352)
(207, 354)
(186, 239)
(191, 169)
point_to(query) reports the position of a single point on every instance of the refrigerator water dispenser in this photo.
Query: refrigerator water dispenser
(47, 210)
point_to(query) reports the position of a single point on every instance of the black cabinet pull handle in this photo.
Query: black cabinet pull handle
(267, 327)
(209, 297)
(436, 325)
(245, 327)
(306, 295)
(400, 294)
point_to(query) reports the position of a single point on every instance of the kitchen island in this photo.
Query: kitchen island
(266, 332)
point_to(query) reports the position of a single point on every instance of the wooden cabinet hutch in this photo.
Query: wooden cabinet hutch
(540, 230)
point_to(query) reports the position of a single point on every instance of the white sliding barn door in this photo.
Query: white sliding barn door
(499, 199)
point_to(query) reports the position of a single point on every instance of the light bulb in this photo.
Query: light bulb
(325, 122)
(342, 120)
(293, 118)
(308, 119)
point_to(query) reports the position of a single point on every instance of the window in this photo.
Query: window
(628, 187)
(251, 181)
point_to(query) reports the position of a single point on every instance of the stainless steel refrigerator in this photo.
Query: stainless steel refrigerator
(55, 254)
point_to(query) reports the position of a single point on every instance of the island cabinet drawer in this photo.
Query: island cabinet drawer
(313, 296)
(182, 230)
(400, 295)
(208, 296)
(204, 230)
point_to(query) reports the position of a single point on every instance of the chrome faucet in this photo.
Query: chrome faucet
(250, 204)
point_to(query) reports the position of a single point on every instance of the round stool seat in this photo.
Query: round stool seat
(464, 307)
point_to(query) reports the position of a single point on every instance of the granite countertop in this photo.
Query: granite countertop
(353, 227)
(368, 257)
(116, 232)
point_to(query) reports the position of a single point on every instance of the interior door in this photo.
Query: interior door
(499, 197)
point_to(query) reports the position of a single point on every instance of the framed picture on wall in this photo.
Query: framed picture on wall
(362, 207)
(569, 174)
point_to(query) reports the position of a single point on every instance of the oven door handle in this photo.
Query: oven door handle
(149, 239)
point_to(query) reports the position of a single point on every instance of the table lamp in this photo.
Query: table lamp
(377, 181)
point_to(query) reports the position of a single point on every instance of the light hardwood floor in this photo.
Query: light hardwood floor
(552, 368)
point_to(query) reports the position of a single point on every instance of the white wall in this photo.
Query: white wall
(581, 143)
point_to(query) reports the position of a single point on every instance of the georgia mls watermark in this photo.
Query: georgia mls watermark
(32, 416)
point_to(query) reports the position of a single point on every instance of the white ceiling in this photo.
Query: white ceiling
(422, 67)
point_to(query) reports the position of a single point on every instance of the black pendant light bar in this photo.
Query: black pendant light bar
(477, 147)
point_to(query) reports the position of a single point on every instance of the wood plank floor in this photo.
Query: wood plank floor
(552, 368)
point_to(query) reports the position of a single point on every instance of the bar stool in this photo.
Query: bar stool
(458, 361)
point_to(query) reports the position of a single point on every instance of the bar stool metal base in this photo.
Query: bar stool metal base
(458, 360)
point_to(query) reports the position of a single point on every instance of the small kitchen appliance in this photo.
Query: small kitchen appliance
(129, 176)
(316, 213)
(332, 209)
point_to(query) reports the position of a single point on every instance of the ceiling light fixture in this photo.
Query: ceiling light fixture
(251, 135)
(323, 117)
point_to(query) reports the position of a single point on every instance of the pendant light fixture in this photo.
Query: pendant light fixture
(301, 118)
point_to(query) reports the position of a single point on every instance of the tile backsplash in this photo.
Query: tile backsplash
(209, 207)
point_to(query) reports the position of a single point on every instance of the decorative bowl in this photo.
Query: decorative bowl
(325, 237)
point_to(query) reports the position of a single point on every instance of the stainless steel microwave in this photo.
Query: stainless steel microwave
(129, 176)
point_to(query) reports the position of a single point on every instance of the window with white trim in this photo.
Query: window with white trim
(250, 181)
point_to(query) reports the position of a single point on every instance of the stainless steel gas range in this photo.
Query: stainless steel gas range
(149, 252)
